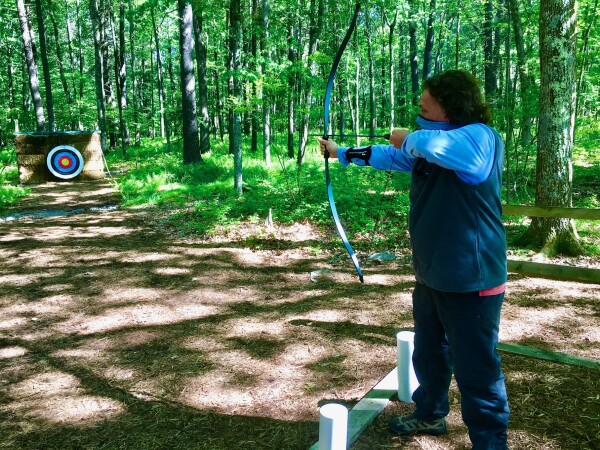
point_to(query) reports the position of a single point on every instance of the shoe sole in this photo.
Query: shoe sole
(410, 433)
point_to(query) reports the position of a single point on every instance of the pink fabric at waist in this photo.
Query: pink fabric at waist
(493, 291)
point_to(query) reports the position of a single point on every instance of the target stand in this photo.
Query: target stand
(59, 156)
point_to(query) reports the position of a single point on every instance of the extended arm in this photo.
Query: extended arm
(468, 150)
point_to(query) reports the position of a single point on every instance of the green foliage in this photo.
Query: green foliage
(10, 190)
(373, 205)
(202, 200)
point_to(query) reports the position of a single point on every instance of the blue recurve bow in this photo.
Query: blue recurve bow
(334, 213)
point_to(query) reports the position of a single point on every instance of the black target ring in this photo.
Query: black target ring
(64, 162)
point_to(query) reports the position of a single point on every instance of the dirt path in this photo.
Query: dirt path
(102, 313)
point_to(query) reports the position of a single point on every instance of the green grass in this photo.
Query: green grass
(10, 190)
(202, 199)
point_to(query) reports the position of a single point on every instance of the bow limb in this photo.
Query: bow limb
(334, 213)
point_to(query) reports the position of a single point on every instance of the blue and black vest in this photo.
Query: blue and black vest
(458, 239)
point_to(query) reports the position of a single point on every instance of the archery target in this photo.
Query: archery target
(64, 162)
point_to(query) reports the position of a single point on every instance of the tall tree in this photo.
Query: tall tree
(122, 77)
(235, 41)
(371, 76)
(266, 56)
(108, 36)
(218, 103)
(99, 68)
(590, 20)
(191, 143)
(201, 55)
(134, 75)
(414, 59)
(391, 65)
(45, 65)
(159, 76)
(526, 80)
(489, 66)
(254, 66)
(12, 102)
(293, 37)
(60, 63)
(558, 22)
(314, 28)
(34, 82)
(428, 52)
(80, 59)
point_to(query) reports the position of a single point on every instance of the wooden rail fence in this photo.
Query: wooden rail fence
(554, 271)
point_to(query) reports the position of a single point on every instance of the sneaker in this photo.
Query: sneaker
(407, 425)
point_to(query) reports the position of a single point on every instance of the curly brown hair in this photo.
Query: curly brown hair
(460, 96)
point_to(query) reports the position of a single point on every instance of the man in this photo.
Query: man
(459, 255)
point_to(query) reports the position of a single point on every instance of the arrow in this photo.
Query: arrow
(382, 136)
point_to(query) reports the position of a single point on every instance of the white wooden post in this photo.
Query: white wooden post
(333, 427)
(407, 380)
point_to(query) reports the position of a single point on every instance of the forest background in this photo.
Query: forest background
(211, 106)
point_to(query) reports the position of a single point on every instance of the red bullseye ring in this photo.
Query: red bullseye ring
(64, 162)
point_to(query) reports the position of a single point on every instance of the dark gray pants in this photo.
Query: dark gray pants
(459, 332)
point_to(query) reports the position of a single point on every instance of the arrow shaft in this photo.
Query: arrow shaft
(377, 136)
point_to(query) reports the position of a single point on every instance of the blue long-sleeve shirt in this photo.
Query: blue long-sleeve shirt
(467, 150)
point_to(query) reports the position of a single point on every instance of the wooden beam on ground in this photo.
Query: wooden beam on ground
(369, 407)
(555, 271)
(548, 355)
(551, 211)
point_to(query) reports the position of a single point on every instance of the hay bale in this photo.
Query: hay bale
(33, 148)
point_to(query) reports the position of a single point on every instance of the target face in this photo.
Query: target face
(64, 162)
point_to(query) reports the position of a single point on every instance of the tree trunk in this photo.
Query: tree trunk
(106, 29)
(201, 56)
(218, 100)
(428, 52)
(45, 66)
(134, 76)
(370, 62)
(235, 42)
(315, 25)
(291, 91)
(391, 65)
(558, 19)
(457, 37)
(490, 80)
(590, 20)
(34, 83)
(59, 61)
(414, 59)
(254, 111)
(122, 78)
(159, 77)
(12, 101)
(525, 80)
(266, 54)
(98, 71)
(120, 72)
(191, 144)
(81, 63)
(172, 95)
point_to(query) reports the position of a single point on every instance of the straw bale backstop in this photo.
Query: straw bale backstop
(33, 148)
